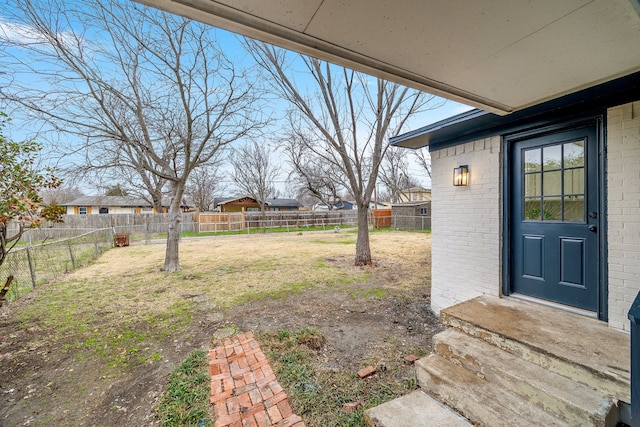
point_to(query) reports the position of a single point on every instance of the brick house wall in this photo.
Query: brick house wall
(466, 223)
(466, 238)
(623, 199)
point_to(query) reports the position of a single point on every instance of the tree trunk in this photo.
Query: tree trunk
(171, 259)
(363, 250)
(5, 289)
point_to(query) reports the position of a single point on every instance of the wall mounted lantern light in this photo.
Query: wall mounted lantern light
(461, 176)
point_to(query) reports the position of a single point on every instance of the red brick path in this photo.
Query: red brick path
(244, 389)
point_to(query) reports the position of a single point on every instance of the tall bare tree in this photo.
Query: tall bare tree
(255, 172)
(348, 116)
(140, 89)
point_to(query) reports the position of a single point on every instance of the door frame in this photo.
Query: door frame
(508, 142)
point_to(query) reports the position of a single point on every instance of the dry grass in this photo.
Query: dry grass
(121, 313)
(233, 269)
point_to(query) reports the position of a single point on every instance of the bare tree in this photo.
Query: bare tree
(63, 194)
(140, 182)
(394, 172)
(204, 183)
(116, 190)
(348, 117)
(424, 160)
(255, 172)
(310, 175)
(141, 89)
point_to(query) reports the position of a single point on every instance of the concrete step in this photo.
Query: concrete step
(574, 346)
(412, 410)
(574, 403)
(480, 401)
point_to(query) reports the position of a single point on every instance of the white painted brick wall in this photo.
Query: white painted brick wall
(466, 237)
(623, 179)
(466, 223)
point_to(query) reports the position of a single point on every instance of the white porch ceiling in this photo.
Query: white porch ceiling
(498, 55)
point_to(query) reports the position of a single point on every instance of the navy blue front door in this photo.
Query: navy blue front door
(555, 217)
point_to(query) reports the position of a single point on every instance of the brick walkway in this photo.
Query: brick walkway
(244, 389)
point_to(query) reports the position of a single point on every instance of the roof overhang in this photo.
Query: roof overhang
(499, 55)
(477, 124)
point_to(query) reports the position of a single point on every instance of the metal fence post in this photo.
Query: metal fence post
(95, 243)
(31, 269)
(73, 260)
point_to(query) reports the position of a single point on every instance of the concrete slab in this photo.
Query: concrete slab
(414, 409)
(575, 346)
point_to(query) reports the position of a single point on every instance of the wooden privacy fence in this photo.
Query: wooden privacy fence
(149, 225)
(219, 221)
(381, 218)
(234, 221)
(117, 220)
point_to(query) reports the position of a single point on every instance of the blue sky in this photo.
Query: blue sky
(22, 129)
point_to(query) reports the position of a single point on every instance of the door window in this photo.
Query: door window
(554, 182)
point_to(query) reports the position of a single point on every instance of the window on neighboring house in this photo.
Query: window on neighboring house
(253, 209)
(421, 196)
(275, 209)
(424, 211)
(413, 196)
(146, 209)
(104, 210)
(82, 210)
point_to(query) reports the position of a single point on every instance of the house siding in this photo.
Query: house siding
(466, 223)
(623, 200)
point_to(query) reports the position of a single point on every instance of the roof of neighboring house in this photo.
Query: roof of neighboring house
(122, 201)
(409, 204)
(274, 203)
(416, 189)
(338, 205)
(281, 203)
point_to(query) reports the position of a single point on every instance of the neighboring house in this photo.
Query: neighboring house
(539, 253)
(339, 205)
(94, 205)
(414, 194)
(411, 216)
(249, 204)
(373, 205)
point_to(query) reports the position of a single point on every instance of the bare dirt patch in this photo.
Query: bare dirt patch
(96, 348)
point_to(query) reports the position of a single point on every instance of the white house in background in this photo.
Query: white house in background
(96, 205)
(548, 222)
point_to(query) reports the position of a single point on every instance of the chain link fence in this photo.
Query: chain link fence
(35, 265)
(410, 222)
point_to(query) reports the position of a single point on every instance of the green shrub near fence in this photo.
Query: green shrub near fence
(35, 265)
